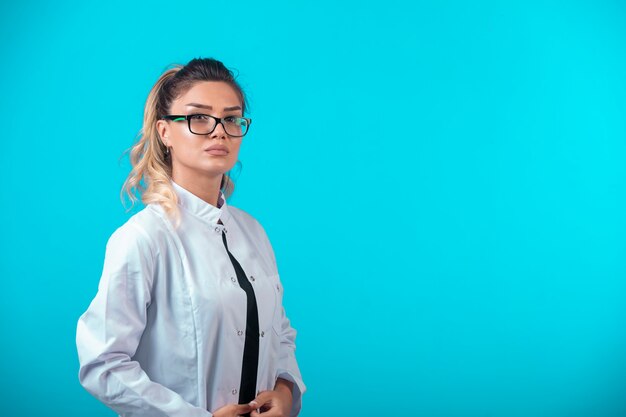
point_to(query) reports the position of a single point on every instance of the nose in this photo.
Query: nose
(219, 131)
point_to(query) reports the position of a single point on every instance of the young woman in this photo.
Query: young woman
(188, 318)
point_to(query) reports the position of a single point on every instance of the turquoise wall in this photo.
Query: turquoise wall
(443, 183)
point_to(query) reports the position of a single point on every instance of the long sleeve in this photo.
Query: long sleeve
(109, 332)
(287, 364)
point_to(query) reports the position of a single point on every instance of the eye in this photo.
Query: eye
(202, 117)
(235, 120)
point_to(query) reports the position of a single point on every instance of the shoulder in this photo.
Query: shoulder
(139, 234)
(246, 220)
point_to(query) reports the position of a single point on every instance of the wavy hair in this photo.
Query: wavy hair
(151, 173)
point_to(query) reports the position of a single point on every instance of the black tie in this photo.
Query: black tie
(251, 346)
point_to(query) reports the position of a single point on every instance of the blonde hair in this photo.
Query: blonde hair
(151, 173)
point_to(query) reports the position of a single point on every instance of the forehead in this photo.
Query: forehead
(214, 93)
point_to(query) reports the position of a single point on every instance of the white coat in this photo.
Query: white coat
(164, 335)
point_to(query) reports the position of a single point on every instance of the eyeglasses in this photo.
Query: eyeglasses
(203, 124)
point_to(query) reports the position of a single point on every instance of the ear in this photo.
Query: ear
(163, 129)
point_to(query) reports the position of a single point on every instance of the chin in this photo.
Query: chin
(216, 168)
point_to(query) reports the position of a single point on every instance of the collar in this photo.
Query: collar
(196, 206)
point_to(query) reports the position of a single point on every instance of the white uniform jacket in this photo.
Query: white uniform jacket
(164, 335)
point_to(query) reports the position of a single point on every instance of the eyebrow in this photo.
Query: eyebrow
(204, 106)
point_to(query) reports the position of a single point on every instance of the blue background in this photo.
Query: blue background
(443, 184)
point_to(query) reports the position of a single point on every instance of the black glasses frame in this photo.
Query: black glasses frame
(218, 120)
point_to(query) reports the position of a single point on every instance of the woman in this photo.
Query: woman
(188, 318)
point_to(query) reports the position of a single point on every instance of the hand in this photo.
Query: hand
(232, 410)
(276, 403)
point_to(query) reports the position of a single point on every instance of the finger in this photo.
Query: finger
(243, 409)
(271, 408)
(268, 413)
(264, 397)
(272, 412)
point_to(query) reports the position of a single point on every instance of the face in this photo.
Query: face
(190, 152)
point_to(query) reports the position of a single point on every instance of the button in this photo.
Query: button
(239, 332)
(252, 278)
(234, 391)
(217, 229)
(233, 279)
(262, 333)
(278, 287)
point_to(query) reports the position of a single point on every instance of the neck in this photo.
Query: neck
(206, 187)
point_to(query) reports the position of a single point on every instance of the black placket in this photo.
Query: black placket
(247, 389)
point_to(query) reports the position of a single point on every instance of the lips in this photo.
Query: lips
(217, 148)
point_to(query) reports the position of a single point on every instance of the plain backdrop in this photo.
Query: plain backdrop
(442, 181)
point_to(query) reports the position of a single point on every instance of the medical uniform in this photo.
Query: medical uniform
(164, 335)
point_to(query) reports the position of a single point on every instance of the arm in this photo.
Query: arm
(288, 370)
(108, 334)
